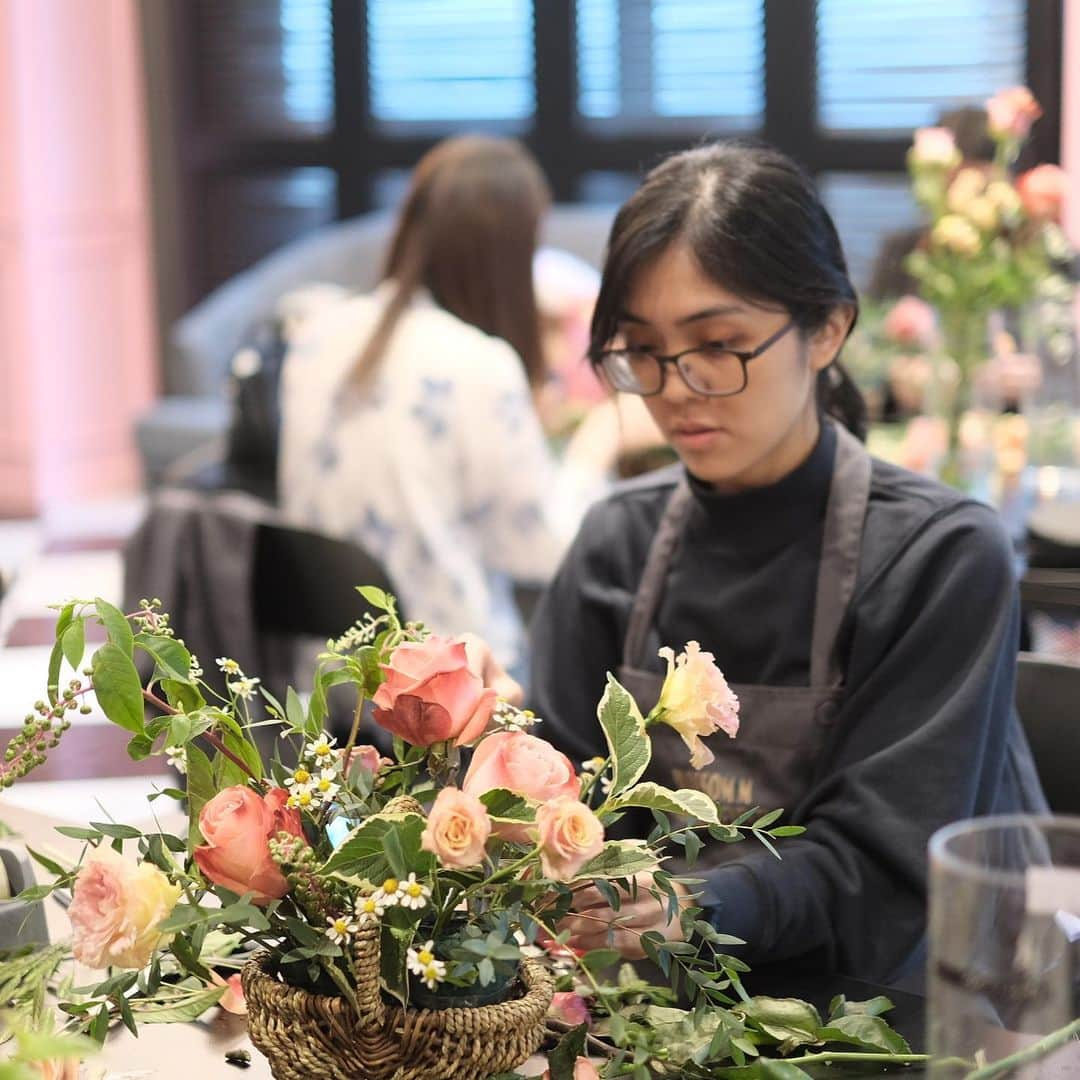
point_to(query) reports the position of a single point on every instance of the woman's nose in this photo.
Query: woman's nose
(675, 390)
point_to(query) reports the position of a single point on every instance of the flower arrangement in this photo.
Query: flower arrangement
(993, 244)
(406, 880)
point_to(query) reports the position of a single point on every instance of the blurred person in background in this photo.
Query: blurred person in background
(408, 416)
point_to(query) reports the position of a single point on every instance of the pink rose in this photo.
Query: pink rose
(696, 701)
(570, 1008)
(925, 442)
(524, 764)
(1042, 192)
(431, 695)
(569, 834)
(116, 906)
(584, 1069)
(233, 1000)
(910, 322)
(935, 146)
(457, 829)
(366, 758)
(237, 825)
(1012, 112)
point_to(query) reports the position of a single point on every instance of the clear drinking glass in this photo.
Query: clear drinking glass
(1004, 971)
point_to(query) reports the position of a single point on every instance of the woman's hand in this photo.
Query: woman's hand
(482, 662)
(594, 925)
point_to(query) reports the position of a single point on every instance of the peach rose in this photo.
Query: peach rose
(584, 1069)
(1042, 191)
(366, 758)
(457, 829)
(524, 764)
(1012, 112)
(570, 1008)
(696, 701)
(237, 825)
(569, 834)
(431, 695)
(934, 146)
(911, 321)
(925, 442)
(116, 906)
(58, 1069)
(956, 234)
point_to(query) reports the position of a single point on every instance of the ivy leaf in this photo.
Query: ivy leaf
(503, 805)
(652, 796)
(791, 1023)
(619, 859)
(624, 729)
(365, 852)
(118, 688)
(117, 627)
(181, 1011)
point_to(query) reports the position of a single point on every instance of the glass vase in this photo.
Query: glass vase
(1004, 973)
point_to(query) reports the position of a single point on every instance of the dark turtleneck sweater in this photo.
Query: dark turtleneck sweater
(926, 733)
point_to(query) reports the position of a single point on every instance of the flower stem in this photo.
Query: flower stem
(354, 731)
(1037, 1050)
(830, 1058)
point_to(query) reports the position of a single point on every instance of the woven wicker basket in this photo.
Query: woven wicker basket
(307, 1035)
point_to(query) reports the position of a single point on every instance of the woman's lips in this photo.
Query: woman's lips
(695, 436)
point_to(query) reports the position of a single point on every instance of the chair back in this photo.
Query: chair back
(1048, 701)
(305, 583)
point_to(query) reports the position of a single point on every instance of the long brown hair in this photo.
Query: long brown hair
(467, 233)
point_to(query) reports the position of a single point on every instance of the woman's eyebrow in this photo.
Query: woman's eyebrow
(697, 316)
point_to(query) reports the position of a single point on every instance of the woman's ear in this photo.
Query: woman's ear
(825, 343)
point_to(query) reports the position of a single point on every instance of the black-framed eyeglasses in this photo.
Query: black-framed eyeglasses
(711, 369)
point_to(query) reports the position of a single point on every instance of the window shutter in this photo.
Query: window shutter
(893, 65)
(438, 65)
(670, 65)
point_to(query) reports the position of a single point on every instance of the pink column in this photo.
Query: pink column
(1070, 117)
(77, 350)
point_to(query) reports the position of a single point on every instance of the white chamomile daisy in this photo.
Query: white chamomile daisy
(340, 929)
(418, 959)
(433, 974)
(301, 798)
(414, 894)
(243, 688)
(177, 758)
(368, 909)
(322, 749)
(593, 765)
(389, 893)
(299, 779)
(325, 786)
(230, 667)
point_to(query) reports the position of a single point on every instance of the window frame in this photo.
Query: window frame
(357, 150)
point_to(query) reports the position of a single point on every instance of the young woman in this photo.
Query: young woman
(407, 415)
(866, 617)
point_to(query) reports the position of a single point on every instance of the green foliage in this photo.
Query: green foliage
(118, 687)
(624, 728)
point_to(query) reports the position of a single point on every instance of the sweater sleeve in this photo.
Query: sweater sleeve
(920, 741)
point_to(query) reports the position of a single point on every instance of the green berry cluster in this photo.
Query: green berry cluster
(41, 733)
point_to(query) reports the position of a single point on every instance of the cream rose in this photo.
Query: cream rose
(569, 835)
(116, 907)
(457, 829)
(935, 147)
(956, 234)
(696, 701)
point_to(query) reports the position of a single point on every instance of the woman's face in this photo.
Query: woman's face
(748, 439)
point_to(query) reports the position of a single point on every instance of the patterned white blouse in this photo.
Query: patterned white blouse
(440, 468)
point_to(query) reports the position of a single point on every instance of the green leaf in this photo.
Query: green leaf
(116, 626)
(118, 688)
(624, 728)
(766, 820)
(172, 659)
(840, 1006)
(376, 597)
(183, 916)
(866, 1032)
(73, 643)
(200, 789)
(599, 959)
(771, 1069)
(364, 853)
(116, 832)
(563, 1058)
(49, 864)
(45, 1046)
(180, 1011)
(77, 832)
(686, 801)
(140, 747)
(183, 695)
(787, 830)
(294, 711)
(503, 805)
(790, 1022)
(619, 859)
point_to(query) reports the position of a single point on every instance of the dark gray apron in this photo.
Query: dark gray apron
(772, 760)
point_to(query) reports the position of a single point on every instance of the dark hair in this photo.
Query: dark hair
(467, 232)
(756, 224)
(971, 132)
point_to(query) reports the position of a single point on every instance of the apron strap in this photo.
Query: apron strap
(651, 588)
(841, 545)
